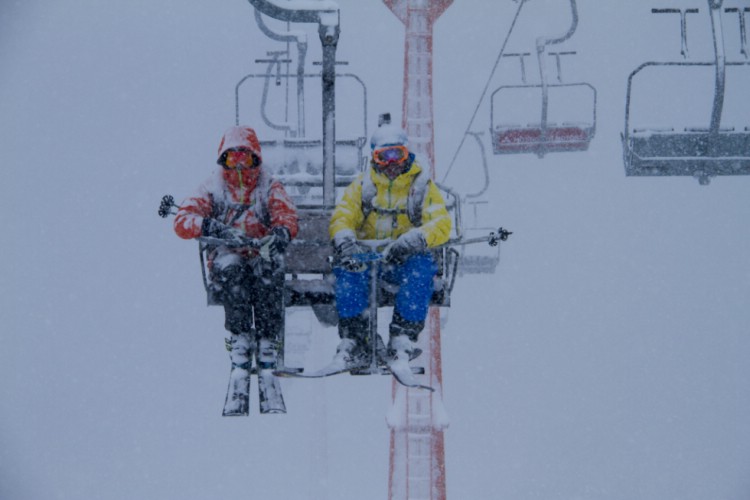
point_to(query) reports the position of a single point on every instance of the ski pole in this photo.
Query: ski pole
(492, 239)
(166, 209)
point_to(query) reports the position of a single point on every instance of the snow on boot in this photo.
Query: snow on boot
(400, 327)
(239, 347)
(400, 350)
(238, 392)
(349, 356)
(400, 347)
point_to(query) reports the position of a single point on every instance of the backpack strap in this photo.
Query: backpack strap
(258, 202)
(369, 191)
(414, 200)
(260, 196)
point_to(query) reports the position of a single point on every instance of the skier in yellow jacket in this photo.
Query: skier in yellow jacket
(393, 199)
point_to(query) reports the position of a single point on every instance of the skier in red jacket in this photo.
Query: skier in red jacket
(242, 200)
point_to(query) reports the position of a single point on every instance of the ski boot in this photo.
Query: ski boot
(402, 349)
(239, 347)
(410, 330)
(381, 352)
(352, 351)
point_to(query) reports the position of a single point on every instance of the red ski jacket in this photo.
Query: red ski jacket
(249, 199)
(255, 205)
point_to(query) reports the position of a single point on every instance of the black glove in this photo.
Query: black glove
(215, 229)
(348, 246)
(276, 242)
(409, 243)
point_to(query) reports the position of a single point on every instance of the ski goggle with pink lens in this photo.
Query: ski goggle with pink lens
(235, 158)
(390, 154)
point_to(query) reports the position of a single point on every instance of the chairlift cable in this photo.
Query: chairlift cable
(486, 87)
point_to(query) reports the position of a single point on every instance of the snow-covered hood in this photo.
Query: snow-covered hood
(240, 137)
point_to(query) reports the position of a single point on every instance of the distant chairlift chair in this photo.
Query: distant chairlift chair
(701, 152)
(543, 136)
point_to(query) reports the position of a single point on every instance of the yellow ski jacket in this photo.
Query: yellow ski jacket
(389, 217)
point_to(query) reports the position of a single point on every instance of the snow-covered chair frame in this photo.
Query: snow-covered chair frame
(700, 152)
(543, 136)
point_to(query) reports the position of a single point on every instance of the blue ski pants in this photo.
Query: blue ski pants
(413, 277)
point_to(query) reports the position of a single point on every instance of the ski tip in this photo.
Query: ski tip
(274, 411)
(417, 386)
(289, 372)
(235, 414)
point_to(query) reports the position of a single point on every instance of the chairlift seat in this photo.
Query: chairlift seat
(563, 130)
(308, 266)
(318, 289)
(693, 151)
(509, 139)
(300, 161)
(478, 264)
(310, 252)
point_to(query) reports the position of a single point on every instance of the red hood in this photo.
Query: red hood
(240, 137)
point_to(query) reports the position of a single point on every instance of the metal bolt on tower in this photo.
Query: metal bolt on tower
(417, 419)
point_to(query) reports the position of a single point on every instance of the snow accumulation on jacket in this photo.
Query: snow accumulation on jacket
(389, 202)
(249, 199)
(237, 200)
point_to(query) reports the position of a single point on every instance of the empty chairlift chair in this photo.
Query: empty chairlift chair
(520, 114)
(701, 150)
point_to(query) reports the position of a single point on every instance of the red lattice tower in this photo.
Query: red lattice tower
(417, 419)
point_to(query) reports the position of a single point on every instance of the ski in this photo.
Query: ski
(243, 351)
(404, 379)
(327, 371)
(269, 392)
(404, 374)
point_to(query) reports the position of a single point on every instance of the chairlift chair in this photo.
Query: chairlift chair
(545, 135)
(475, 259)
(699, 151)
(296, 161)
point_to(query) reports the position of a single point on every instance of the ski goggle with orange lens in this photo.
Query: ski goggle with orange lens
(240, 158)
(390, 154)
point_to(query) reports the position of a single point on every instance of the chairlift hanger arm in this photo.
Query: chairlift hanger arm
(743, 28)
(300, 38)
(541, 46)
(522, 61)
(542, 42)
(521, 3)
(557, 55)
(324, 12)
(683, 25)
(327, 15)
(484, 166)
